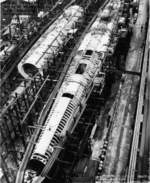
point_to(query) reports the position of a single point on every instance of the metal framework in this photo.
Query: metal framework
(89, 15)
(16, 117)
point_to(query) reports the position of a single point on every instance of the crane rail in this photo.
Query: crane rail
(139, 117)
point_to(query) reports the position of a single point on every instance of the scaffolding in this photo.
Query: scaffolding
(26, 108)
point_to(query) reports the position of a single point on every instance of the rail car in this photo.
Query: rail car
(82, 75)
(50, 42)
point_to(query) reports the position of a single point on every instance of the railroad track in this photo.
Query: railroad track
(144, 172)
(139, 115)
